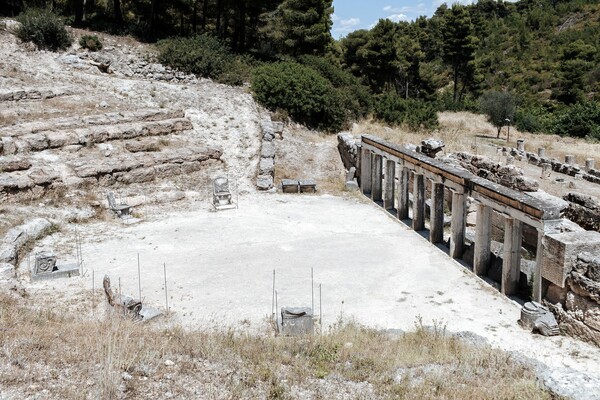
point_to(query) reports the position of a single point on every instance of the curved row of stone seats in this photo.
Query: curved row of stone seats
(56, 124)
(91, 135)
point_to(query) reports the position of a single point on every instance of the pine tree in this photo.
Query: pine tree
(459, 47)
(306, 26)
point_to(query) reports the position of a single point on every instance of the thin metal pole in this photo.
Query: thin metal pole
(93, 290)
(312, 290)
(276, 316)
(320, 308)
(273, 308)
(139, 279)
(166, 294)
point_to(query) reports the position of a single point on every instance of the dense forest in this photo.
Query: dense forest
(532, 63)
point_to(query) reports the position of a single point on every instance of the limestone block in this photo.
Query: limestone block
(8, 253)
(15, 182)
(266, 166)
(61, 139)
(555, 294)
(37, 141)
(584, 287)
(7, 271)
(264, 182)
(591, 316)
(11, 164)
(561, 251)
(267, 150)
(8, 146)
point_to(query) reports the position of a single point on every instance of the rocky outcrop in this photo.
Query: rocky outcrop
(583, 210)
(506, 175)
(577, 307)
(16, 239)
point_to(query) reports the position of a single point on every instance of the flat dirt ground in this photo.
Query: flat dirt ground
(372, 269)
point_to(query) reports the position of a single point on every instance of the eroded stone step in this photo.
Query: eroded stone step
(57, 124)
(125, 168)
(32, 94)
(91, 135)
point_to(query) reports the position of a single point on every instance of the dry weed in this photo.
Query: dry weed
(44, 349)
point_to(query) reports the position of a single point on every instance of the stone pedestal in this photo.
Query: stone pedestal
(520, 145)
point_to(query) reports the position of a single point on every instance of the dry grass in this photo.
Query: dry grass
(463, 131)
(63, 355)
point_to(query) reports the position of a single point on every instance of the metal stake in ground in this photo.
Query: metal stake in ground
(312, 290)
(276, 315)
(139, 280)
(273, 307)
(93, 292)
(320, 308)
(166, 294)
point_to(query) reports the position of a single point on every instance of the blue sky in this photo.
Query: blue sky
(350, 15)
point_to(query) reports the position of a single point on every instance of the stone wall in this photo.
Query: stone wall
(583, 210)
(577, 306)
(506, 175)
(347, 146)
(266, 166)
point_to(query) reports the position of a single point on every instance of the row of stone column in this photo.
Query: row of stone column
(374, 181)
(381, 188)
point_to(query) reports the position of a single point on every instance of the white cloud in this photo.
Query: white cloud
(397, 17)
(335, 18)
(419, 8)
(350, 22)
(346, 25)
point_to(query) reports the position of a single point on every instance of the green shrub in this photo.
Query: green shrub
(44, 29)
(90, 42)
(396, 110)
(300, 91)
(533, 119)
(204, 55)
(580, 120)
(357, 98)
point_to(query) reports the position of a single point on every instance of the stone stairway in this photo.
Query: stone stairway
(104, 149)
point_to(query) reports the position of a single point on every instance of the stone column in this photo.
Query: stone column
(589, 164)
(537, 274)
(403, 193)
(365, 171)
(457, 236)
(541, 152)
(483, 232)
(376, 172)
(418, 217)
(436, 220)
(570, 159)
(390, 183)
(520, 145)
(511, 263)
